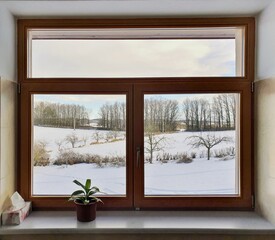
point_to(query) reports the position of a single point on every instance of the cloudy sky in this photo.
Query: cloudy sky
(133, 58)
(128, 58)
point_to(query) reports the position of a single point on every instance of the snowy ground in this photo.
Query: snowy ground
(51, 135)
(202, 176)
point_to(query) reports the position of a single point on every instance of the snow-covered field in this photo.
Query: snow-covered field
(202, 176)
(51, 135)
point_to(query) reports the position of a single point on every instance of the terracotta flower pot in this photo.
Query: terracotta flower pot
(85, 213)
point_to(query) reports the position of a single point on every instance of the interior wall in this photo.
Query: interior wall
(8, 106)
(265, 114)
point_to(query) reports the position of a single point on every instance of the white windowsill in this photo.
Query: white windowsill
(209, 222)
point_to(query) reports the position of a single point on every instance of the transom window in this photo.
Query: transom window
(158, 115)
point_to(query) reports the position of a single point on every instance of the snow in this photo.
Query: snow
(51, 135)
(58, 180)
(201, 177)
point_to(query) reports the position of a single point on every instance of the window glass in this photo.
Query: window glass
(191, 144)
(181, 53)
(78, 137)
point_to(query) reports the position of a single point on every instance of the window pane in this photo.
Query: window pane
(78, 137)
(191, 144)
(201, 52)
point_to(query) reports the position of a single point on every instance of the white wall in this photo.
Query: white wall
(7, 44)
(265, 114)
(266, 43)
(8, 106)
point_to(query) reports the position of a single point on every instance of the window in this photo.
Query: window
(157, 112)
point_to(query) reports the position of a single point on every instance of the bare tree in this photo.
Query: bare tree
(72, 139)
(113, 116)
(97, 136)
(59, 143)
(108, 136)
(232, 104)
(162, 114)
(115, 134)
(60, 115)
(153, 143)
(84, 139)
(208, 141)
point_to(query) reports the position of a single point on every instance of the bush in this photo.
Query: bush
(179, 157)
(225, 152)
(184, 158)
(71, 158)
(41, 156)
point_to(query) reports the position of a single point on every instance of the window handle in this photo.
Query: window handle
(138, 156)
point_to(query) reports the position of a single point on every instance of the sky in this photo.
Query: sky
(129, 58)
(133, 58)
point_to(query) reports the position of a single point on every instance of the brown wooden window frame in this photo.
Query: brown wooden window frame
(135, 88)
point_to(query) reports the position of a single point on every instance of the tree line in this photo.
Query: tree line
(205, 114)
(60, 115)
(113, 116)
(160, 115)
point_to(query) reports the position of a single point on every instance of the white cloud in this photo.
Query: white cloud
(115, 58)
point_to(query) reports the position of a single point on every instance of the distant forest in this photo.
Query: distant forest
(202, 114)
(60, 115)
(160, 115)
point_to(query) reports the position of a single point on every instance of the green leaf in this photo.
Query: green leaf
(77, 192)
(88, 185)
(91, 193)
(79, 184)
(96, 189)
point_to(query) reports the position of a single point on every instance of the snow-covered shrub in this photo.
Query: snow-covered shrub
(117, 161)
(183, 158)
(166, 157)
(40, 154)
(69, 158)
(193, 154)
(224, 152)
(179, 157)
(92, 158)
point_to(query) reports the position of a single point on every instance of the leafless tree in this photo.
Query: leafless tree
(115, 134)
(72, 139)
(113, 116)
(108, 136)
(208, 141)
(153, 143)
(60, 115)
(59, 143)
(232, 105)
(161, 114)
(97, 136)
(205, 114)
(85, 139)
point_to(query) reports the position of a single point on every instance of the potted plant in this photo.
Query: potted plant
(85, 201)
